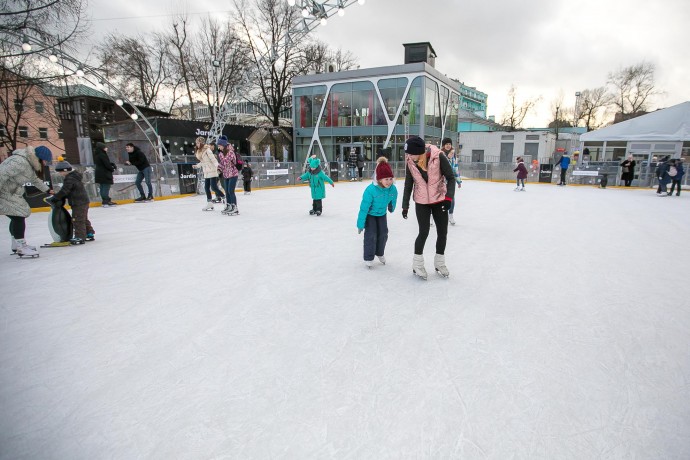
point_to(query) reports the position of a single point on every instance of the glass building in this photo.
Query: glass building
(372, 110)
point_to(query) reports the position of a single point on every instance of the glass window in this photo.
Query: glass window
(364, 103)
(18, 105)
(39, 107)
(23, 131)
(43, 133)
(303, 111)
(343, 105)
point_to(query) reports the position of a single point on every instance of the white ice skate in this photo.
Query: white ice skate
(522, 189)
(418, 266)
(26, 251)
(516, 189)
(382, 259)
(231, 211)
(368, 263)
(450, 219)
(15, 245)
(208, 207)
(440, 265)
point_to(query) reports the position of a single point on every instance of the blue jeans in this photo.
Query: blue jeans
(521, 180)
(141, 175)
(229, 184)
(104, 191)
(353, 172)
(212, 183)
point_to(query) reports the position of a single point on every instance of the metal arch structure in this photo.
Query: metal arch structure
(93, 76)
(313, 14)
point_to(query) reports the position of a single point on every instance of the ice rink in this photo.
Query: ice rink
(563, 332)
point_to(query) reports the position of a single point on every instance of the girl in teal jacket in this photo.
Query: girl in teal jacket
(317, 182)
(377, 199)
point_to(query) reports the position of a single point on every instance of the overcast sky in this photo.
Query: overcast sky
(543, 47)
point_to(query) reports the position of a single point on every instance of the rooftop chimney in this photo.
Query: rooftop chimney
(420, 52)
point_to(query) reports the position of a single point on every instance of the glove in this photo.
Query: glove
(333, 185)
(390, 207)
(445, 205)
(49, 199)
(359, 230)
(404, 213)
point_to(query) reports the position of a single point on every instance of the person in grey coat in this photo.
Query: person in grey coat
(19, 169)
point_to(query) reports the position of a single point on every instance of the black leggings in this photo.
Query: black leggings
(17, 227)
(424, 213)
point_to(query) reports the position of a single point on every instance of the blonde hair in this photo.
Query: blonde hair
(422, 161)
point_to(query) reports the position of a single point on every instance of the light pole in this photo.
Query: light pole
(216, 65)
(406, 117)
(576, 112)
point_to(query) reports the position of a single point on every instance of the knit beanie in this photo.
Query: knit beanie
(222, 140)
(446, 140)
(383, 169)
(62, 165)
(44, 153)
(415, 145)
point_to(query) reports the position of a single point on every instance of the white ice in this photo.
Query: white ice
(562, 333)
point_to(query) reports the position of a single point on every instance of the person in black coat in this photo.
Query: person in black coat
(662, 175)
(104, 173)
(628, 171)
(138, 159)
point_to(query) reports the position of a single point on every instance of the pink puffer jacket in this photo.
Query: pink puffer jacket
(435, 189)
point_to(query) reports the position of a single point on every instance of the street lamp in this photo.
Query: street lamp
(406, 118)
(216, 65)
(576, 112)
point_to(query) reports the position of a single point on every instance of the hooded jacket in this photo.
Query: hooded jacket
(317, 179)
(104, 167)
(521, 170)
(73, 189)
(376, 200)
(207, 162)
(17, 170)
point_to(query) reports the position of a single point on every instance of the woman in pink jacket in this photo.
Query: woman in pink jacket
(430, 175)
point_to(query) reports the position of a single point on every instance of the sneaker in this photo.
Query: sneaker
(76, 241)
(382, 259)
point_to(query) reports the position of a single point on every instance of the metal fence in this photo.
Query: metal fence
(165, 177)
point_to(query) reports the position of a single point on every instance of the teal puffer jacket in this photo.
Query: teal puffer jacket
(376, 200)
(317, 179)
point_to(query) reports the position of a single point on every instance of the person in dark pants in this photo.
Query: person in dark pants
(675, 180)
(360, 165)
(104, 173)
(564, 163)
(74, 191)
(247, 176)
(378, 198)
(138, 159)
(430, 175)
(662, 175)
(628, 171)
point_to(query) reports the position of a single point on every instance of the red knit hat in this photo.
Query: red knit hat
(383, 170)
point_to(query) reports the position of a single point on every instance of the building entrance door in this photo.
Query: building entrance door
(344, 153)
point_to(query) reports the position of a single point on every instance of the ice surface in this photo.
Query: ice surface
(563, 332)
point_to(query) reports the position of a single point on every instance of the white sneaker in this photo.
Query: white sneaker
(450, 219)
(382, 259)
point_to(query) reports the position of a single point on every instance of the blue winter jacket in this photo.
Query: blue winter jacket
(317, 183)
(680, 173)
(565, 162)
(376, 200)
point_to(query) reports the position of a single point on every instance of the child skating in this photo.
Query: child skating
(521, 175)
(247, 176)
(377, 199)
(74, 191)
(317, 182)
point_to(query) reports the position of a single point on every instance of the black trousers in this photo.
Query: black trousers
(673, 186)
(317, 205)
(375, 236)
(424, 213)
(247, 185)
(563, 173)
(17, 227)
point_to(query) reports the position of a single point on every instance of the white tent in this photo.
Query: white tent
(671, 124)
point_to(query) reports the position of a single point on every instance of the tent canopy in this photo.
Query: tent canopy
(671, 124)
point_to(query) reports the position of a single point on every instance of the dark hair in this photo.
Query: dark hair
(129, 144)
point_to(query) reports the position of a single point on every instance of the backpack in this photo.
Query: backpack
(672, 171)
(239, 162)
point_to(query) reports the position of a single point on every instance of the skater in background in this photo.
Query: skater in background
(227, 160)
(564, 163)
(662, 175)
(317, 183)
(247, 176)
(209, 165)
(628, 171)
(430, 181)
(449, 151)
(104, 173)
(352, 164)
(360, 165)
(22, 167)
(74, 191)
(675, 180)
(521, 174)
(138, 159)
(377, 199)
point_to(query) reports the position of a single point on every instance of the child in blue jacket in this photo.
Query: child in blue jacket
(317, 182)
(377, 199)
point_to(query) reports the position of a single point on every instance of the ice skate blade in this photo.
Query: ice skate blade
(29, 256)
(441, 274)
(419, 275)
(56, 244)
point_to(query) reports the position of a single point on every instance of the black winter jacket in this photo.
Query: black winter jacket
(138, 159)
(104, 167)
(73, 189)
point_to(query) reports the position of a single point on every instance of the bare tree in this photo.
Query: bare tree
(592, 105)
(58, 23)
(264, 26)
(633, 88)
(319, 57)
(217, 80)
(180, 51)
(344, 60)
(516, 112)
(139, 65)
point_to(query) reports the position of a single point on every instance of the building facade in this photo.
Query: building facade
(372, 110)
